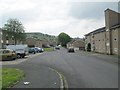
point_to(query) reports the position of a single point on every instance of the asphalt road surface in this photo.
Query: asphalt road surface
(80, 70)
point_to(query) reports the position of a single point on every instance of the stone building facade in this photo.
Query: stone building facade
(77, 44)
(32, 42)
(106, 39)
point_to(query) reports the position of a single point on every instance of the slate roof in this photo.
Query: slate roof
(96, 31)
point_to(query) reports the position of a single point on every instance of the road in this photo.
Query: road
(80, 70)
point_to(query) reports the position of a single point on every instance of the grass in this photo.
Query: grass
(48, 49)
(11, 76)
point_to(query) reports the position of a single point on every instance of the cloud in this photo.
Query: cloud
(41, 11)
(55, 16)
(91, 9)
(71, 26)
(78, 28)
(46, 25)
(13, 5)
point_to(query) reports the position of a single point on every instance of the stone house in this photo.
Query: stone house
(5, 40)
(77, 44)
(33, 42)
(106, 39)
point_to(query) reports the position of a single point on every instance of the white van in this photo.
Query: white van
(21, 50)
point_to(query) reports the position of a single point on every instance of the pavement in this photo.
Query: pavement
(20, 60)
(107, 58)
(36, 76)
(43, 78)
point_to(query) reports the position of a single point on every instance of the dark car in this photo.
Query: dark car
(39, 49)
(71, 49)
(32, 50)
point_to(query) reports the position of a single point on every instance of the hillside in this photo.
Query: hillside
(42, 36)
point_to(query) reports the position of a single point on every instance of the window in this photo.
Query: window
(115, 39)
(6, 51)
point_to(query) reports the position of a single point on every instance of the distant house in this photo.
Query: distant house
(39, 43)
(77, 44)
(33, 42)
(5, 40)
(46, 43)
(47, 40)
(106, 39)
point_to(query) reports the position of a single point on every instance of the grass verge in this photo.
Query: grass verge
(48, 49)
(10, 76)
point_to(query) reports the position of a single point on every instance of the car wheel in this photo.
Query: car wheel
(18, 56)
(13, 58)
(23, 56)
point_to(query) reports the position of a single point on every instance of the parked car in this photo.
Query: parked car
(39, 49)
(32, 50)
(21, 50)
(57, 47)
(8, 54)
(71, 49)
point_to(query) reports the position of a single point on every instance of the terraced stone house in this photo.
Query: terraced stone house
(78, 44)
(105, 39)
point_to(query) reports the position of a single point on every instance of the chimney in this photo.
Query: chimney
(111, 18)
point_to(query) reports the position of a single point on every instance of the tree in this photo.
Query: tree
(64, 38)
(15, 30)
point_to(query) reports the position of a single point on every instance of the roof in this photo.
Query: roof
(112, 11)
(71, 42)
(96, 31)
(75, 40)
(102, 29)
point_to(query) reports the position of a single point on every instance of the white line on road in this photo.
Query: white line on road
(63, 81)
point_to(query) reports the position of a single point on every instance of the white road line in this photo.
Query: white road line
(63, 81)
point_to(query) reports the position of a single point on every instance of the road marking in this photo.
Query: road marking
(64, 85)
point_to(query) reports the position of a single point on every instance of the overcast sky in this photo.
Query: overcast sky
(73, 17)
